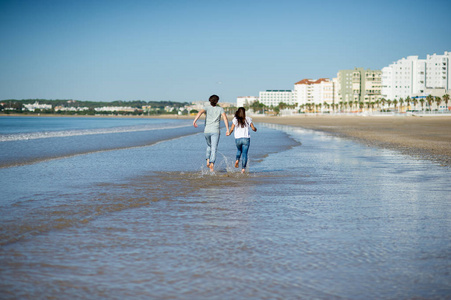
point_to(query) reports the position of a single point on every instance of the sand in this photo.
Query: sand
(422, 137)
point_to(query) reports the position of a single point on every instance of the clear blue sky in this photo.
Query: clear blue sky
(187, 50)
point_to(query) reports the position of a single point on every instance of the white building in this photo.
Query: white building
(36, 105)
(437, 71)
(114, 109)
(245, 101)
(404, 78)
(412, 76)
(274, 97)
(313, 92)
(71, 108)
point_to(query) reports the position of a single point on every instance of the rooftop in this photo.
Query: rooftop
(312, 81)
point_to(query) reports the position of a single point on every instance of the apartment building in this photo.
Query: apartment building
(359, 85)
(274, 97)
(308, 91)
(404, 78)
(414, 77)
(437, 71)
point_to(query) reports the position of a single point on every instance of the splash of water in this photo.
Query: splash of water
(225, 164)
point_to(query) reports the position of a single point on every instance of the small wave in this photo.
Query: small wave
(67, 133)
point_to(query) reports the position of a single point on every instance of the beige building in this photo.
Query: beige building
(359, 86)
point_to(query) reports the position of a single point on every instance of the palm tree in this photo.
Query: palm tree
(446, 99)
(438, 100)
(401, 102)
(389, 103)
(422, 103)
(372, 105)
(415, 102)
(395, 103)
(282, 105)
(383, 102)
(378, 103)
(429, 99)
(408, 100)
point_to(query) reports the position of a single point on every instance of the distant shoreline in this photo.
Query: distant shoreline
(427, 137)
(99, 116)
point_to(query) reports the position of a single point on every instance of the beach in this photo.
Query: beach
(424, 137)
(115, 208)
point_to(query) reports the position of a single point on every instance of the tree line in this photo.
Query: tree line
(17, 106)
(343, 106)
(92, 104)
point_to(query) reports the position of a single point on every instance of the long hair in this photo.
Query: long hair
(213, 100)
(240, 116)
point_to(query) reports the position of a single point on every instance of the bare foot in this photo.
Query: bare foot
(243, 170)
(237, 163)
(212, 167)
(208, 163)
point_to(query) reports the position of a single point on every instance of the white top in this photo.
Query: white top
(242, 132)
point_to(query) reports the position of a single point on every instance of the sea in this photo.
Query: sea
(125, 208)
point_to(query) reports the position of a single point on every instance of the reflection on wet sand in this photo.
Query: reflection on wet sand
(320, 218)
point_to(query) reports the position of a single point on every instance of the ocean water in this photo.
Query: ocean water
(126, 208)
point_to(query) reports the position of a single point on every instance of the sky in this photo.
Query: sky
(175, 50)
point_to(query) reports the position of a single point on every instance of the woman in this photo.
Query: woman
(213, 114)
(242, 136)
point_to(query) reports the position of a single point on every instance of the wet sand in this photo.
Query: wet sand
(423, 137)
(317, 217)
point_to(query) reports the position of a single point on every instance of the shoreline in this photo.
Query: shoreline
(425, 137)
(422, 137)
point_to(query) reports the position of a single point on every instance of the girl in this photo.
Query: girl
(242, 136)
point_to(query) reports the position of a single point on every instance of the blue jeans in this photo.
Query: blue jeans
(242, 146)
(212, 146)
